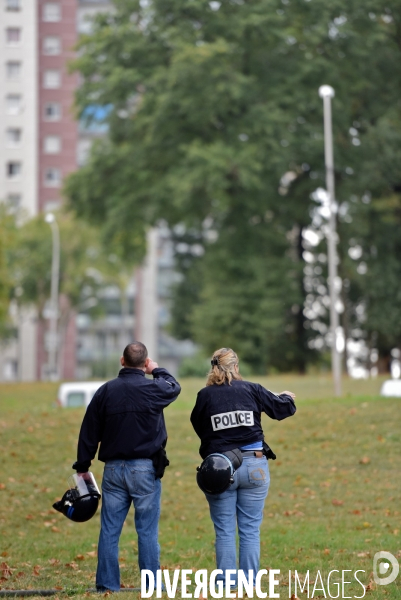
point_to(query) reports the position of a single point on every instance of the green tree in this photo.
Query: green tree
(215, 122)
(7, 235)
(86, 266)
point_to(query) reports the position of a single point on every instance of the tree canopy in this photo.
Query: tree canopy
(7, 236)
(215, 125)
(25, 262)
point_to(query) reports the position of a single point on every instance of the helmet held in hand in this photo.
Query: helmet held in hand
(81, 501)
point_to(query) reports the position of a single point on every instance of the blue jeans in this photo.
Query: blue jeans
(124, 482)
(241, 504)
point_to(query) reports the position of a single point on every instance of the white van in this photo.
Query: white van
(391, 388)
(77, 393)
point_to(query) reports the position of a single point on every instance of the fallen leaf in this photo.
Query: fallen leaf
(2, 486)
(4, 553)
(365, 460)
(92, 553)
(326, 551)
(54, 561)
(55, 529)
(36, 570)
(29, 517)
(336, 502)
(80, 557)
(6, 571)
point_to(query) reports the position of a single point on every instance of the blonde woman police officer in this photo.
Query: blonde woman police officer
(227, 416)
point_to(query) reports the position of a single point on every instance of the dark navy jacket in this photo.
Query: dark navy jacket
(228, 416)
(126, 417)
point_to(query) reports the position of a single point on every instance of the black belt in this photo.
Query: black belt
(254, 453)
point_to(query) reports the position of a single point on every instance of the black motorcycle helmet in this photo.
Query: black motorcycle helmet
(80, 502)
(215, 474)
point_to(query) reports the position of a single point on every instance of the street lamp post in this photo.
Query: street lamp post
(55, 275)
(326, 92)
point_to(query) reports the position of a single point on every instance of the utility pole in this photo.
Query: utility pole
(326, 92)
(55, 276)
(146, 309)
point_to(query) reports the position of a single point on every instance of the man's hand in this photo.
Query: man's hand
(291, 394)
(150, 365)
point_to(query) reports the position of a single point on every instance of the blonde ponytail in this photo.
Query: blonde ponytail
(224, 367)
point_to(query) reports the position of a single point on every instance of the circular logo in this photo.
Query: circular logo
(383, 567)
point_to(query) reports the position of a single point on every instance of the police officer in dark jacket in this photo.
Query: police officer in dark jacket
(126, 417)
(227, 416)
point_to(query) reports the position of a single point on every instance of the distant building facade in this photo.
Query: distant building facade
(42, 142)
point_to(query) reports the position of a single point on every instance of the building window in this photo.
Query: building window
(83, 150)
(51, 45)
(51, 79)
(13, 36)
(14, 201)
(52, 144)
(52, 111)
(51, 12)
(51, 206)
(14, 104)
(85, 23)
(13, 5)
(52, 177)
(13, 136)
(13, 170)
(13, 69)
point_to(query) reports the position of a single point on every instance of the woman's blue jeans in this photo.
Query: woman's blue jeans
(125, 482)
(241, 504)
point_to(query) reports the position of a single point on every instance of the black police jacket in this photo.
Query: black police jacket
(126, 417)
(228, 416)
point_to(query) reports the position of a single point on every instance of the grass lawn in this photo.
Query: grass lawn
(334, 499)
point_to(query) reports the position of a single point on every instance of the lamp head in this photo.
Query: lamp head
(326, 91)
(49, 218)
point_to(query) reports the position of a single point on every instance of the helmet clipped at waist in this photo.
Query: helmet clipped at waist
(216, 473)
(81, 501)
